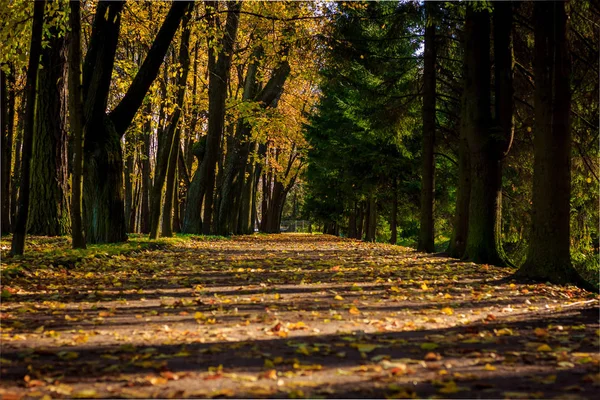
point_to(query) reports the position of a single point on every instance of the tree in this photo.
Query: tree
(103, 173)
(76, 124)
(202, 187)
(549, 257)
(35, 49)
(49, 211)
(481, 246)
(170, 149)
(426, 242)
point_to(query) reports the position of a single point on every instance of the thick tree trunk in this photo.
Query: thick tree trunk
(76, 125)
(483, 146)
(548, 257)
(103, 190)
(426, 237)
(49, 212)
(35, 49)
(103, 204)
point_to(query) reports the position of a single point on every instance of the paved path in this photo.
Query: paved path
(292, 316)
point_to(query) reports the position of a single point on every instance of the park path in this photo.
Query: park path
(291, 316)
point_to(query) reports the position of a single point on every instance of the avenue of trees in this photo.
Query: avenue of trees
(473, 126)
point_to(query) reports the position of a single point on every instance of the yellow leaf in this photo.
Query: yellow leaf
(544, 348)
(489, 367)
(447, 310)
(338, 297)
(354, 311)
(424, 286)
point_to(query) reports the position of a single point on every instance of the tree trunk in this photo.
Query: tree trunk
(103, 182)
(483, 146)
(426, 237)
(8, 118)
(171, 188)
(18, 240)
(371, 219)
(202, 187)
(171, 143)
(352, 222)
(49, 212)
(548, 257)
(76, 125)
(146, 181)
(128, 175)
(394, 222)
(503, 89)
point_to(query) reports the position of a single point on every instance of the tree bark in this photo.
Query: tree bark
(103, 182)
(19, 231)
(49, 212)
(503, 89)
(145, 170)
(171, 144)
(548, 257)
(394, 219)
(8, 118)
(76, 125)
(481, 244)
(426, 237)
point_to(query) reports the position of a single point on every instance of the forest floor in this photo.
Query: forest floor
(287, 316)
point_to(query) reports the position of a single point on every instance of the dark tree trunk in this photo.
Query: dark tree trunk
(360, 223)
(129, 161)
(146, 181)
(76, 125)
(16, 176)
(394, 219)
(503, 90)
(103, 206)
(49, 213)
(548, 257)
(352, 222)
(426, 237)
(371, 219)
(483, 146)
(170, 205)
(103, 186)
(8, 118)
(202, 187)
(18, 240)
(458, 240)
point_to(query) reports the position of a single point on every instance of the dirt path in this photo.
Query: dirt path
(293, 316)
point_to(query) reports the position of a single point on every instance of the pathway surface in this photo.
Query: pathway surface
(292, 316)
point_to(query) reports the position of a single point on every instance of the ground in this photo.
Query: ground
(286, 316)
